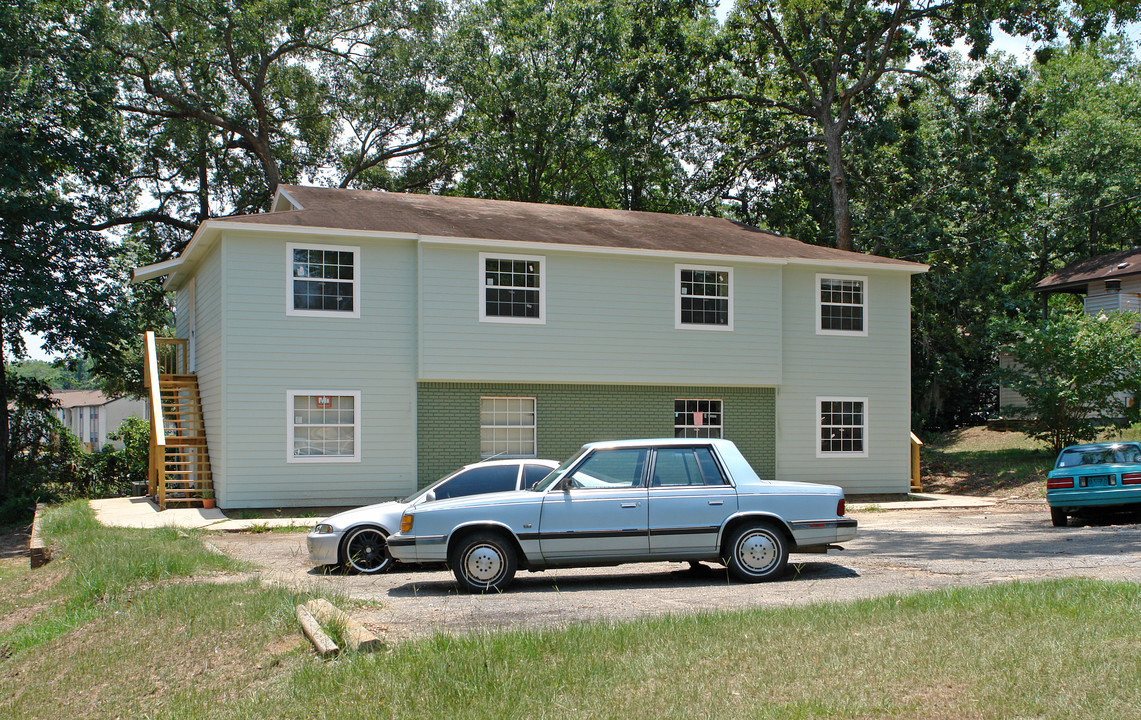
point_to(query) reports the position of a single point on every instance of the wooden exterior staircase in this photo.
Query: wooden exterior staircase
(179, 468)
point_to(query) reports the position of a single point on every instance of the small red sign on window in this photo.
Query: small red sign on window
(324, 401)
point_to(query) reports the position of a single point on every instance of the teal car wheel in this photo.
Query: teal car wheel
(1058, 517)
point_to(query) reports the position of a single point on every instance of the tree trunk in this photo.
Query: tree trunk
(3, 417)
(837, 180)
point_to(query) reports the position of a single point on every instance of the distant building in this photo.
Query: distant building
(91, 415)
(1107, 283)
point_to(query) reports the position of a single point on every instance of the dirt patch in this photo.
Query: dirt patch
(984, 461)
(14, 541)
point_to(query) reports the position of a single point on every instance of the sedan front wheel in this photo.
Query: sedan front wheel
(482, 562)
(756, 553)
(366, 550)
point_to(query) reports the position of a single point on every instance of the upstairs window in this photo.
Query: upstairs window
(323, 280)
(841, 305)
(704, 297)
(512, 288)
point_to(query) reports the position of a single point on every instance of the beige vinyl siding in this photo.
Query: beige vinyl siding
(876, 367)
(269, 352)
(609, 319)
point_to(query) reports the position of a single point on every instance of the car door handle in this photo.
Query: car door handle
(631, 505)
(716, 502)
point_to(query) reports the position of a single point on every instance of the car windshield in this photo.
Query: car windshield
(1099, 455)
(555, 474)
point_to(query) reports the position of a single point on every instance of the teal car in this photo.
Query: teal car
(1102, 477)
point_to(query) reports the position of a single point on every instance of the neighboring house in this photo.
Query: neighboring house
(1107, 283)
(91, 415)
(354, 345)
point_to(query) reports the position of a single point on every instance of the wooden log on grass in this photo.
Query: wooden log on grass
(39, 552)
(312, 629)
(356, 636)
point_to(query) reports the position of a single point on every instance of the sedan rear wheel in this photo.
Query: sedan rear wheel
(482, 562)
(756, 553)
(366, 550)
(1058, 517)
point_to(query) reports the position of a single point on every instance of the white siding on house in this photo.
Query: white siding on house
(268, 353)
(609, 319)
(876, 366)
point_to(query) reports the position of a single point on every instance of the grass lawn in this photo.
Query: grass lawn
(149, 624)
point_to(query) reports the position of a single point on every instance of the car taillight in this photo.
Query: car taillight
(840, 505)
(1057, 483)
(1131, 478)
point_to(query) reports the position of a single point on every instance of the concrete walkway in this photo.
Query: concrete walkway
(925, 501)
(140, 512)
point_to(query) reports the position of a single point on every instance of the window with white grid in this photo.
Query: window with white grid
(323, 280)
(704, 297)
(507, 427)
(324, 426)
(512, 288)
(841, 305)
(697, 418)
(842, 426)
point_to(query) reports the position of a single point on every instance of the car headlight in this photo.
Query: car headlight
(406, 523)
(323, 529)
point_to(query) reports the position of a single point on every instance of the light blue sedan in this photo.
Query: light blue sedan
(1101, 477)
(629, 501)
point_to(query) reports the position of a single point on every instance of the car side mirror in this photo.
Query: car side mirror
(566, 484)
(430, 496)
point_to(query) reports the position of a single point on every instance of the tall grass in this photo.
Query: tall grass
(132, 645)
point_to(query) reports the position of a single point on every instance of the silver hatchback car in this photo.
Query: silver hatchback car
(358, 539)
(629, 501)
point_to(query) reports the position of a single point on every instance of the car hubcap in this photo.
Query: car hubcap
(483, 564)
(367, 551)
(757, 551)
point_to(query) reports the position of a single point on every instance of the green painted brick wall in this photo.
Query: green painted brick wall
(569, 415)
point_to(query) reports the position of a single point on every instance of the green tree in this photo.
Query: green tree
(228, 100)
(578, 102)
(806, 71)
(1075, 372)
(59, 150)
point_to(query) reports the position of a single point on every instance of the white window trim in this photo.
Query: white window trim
(534, 428)
(678, 324)
(720, 428)
(289, 428)
(819, 305)
(820, 400)
(290, 310)
(481, 287)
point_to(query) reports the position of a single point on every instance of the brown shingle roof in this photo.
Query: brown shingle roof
(80, 398)
(445, 216)
(1077, 275)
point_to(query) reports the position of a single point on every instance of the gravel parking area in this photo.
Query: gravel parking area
(894, 552)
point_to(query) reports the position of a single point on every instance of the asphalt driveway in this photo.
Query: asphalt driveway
(894, 552)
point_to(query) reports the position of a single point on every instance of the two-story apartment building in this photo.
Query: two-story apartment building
(352, 345)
